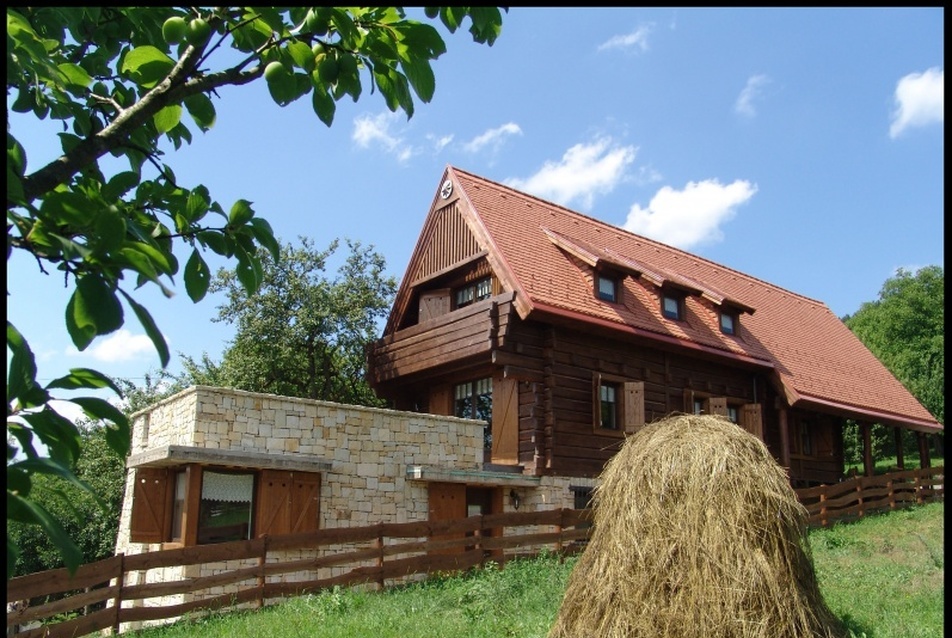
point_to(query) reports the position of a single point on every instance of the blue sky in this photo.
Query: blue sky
(801, 146)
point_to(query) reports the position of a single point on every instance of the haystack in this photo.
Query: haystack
(697, 534)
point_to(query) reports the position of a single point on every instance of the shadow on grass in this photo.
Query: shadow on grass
(855, 628)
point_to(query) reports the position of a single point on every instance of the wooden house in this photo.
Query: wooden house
(566, 333)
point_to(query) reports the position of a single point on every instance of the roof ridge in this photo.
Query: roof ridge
(632, 234)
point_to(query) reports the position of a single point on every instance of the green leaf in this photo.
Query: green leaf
(214, 240)
(200, 107)
(76, 77)
(118, 435)
(21, 376)
(324, 105)
(92, 310)
(83, 378)
(301, 54)
(19, 508)
(120, 184)
(146, 65)
(150, 329)
(197, 277)
(240, 213)
(421, 78)
(263, 233)
(57, 433)
(248, 274)
(167, 118)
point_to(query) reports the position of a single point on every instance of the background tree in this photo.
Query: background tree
(302, 334)
(125, 81)
(905, 329)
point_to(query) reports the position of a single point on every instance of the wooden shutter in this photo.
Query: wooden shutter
(440, 400)
(274, 497)
(634, 406)
(505, 425)
(288, 502)
(151, 506)
(305, 501)
(751, 419)
(434, 303)
(718, 405)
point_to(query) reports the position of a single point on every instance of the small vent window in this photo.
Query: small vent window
(607, 288)
(473, 292)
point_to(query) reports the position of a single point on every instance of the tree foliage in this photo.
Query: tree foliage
(302, 334)
(905, 329)
(128, 82)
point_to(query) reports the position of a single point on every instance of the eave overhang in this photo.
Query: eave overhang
(868, 414)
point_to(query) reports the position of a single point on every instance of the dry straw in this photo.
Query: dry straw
(698, 534)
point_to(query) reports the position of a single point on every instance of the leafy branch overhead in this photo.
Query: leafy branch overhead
(126, 82)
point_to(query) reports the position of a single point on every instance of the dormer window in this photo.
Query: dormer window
(607, 288)
(728, 323)
(672, 305)
(473, 292)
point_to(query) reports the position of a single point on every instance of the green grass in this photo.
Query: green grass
(882, 575)
(888, 464)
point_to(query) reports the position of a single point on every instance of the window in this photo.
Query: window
(474, 400)
(473, 292)
(728, 322)
(671, 305)
(197, 505)
(607, 288)
(732, 413)
(619, 405)
(608, 396)
(224, 512)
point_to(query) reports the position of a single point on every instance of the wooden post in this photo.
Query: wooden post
(117, 600)
(859, 495)
(891, 494)
(918, 484)
(262, 561)
(784, 440)
(378, 544)
(900, 461)
(823, 520)
(868, 468)
(923, 450)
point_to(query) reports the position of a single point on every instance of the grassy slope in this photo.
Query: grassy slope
(883, 575)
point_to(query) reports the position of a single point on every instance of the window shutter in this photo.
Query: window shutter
(505, 425)
(718, 405)
(274, 497)
(751, 420)
(305, 501)
(434, 304)
(634, 406)
(151, 506)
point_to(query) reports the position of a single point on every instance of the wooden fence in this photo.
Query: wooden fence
(258, 570)
(859, 496)
(345, 557)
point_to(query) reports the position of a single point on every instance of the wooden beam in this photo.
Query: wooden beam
(784, 438)
(867, 449)
(924, 461)
(900, 461)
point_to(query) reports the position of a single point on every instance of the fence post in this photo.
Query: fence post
(561, 529)
(859, 492)
(117, 600)
(891, 494)
(262, 561)
(379, 546)
(918, 484)
(823, 521)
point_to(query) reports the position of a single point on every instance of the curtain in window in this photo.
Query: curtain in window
(232, 488)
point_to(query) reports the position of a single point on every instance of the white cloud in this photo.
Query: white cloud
(920, 100)
(376, 131)
(494, 137)
(691, 216)
(752, 92)
(636, 39)
(121, 345)
(584, 171)
(439, 143)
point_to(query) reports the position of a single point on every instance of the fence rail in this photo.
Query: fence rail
(859, 496)
(110, 592)
(266, 569)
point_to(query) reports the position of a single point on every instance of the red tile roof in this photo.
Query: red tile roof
(547, 252)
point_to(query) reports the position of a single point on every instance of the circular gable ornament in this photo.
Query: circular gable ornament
(446, 189)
